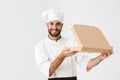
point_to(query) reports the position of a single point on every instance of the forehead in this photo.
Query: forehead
(55, 21)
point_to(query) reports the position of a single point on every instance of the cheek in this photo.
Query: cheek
(49, 27)
(59, 27)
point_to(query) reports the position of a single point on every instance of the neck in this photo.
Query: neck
(54, 38)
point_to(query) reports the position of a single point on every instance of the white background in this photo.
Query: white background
(21, 28)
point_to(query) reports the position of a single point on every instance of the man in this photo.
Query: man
(54, 58)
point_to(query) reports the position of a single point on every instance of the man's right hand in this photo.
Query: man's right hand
(56, 63)
(67, 52)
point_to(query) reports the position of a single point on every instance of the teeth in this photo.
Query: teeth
(54, 30)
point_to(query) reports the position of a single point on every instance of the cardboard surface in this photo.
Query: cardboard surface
(89, 39)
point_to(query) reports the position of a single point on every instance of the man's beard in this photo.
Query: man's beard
(54, 35)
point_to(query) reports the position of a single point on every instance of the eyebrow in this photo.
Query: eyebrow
(56, 23)
(50, 22)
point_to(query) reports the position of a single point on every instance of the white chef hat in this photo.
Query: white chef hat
(52, 14)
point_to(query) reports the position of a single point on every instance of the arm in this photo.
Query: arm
(93, 62)
(56, 63)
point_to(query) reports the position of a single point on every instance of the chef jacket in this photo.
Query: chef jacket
(48, 50)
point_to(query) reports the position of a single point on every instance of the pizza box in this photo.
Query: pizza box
(89, 39)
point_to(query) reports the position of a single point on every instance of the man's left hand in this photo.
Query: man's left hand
(106, 54)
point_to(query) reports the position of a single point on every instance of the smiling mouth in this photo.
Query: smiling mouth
(54, 32)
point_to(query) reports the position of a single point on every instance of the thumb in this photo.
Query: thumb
(67, 49)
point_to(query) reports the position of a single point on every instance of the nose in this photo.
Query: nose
(54, 26)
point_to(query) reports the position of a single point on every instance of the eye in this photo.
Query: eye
(51, 23)
(58, 24)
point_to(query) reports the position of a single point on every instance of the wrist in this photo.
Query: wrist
(62, 56)
(102, 57)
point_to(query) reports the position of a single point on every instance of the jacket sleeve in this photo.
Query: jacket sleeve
(42, 60)
(82, 60)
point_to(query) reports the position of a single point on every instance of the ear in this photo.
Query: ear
(47, 24)
(62, 24)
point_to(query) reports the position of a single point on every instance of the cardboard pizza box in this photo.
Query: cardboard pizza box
(89, 39)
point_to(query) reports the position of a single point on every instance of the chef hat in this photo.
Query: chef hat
(52, 14)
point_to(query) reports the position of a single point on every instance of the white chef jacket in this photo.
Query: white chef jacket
(48, 50)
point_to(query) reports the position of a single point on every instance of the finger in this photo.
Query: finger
(111, 47)
(108, 53)
(111, 51)
(104, 54)
(73, 53)
(67, 49)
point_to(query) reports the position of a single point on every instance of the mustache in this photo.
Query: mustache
(54, 29)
